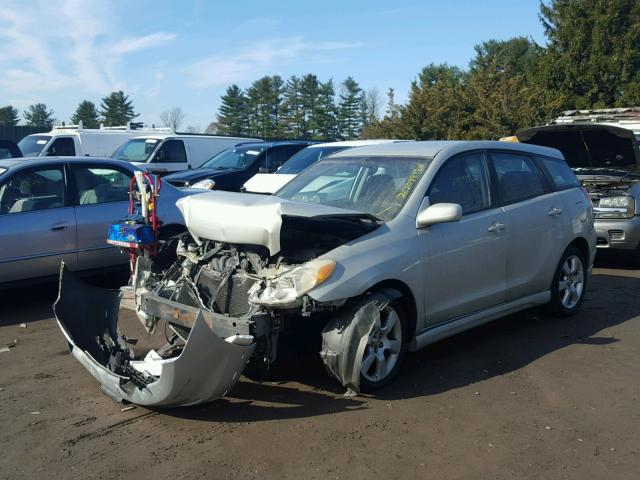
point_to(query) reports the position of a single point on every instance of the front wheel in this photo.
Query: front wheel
(364, 345)
(569, 283)
(386, 344)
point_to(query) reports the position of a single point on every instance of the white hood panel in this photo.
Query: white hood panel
(268, 182)
(244, 218)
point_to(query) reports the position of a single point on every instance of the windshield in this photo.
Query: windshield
(136, 150)
(305, 157)
(376, 185)
(234, 158)
(32, 145)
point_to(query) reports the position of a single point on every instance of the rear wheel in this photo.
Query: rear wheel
(569, 283)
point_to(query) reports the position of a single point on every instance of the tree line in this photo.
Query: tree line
(591, 60)
(115, 109)
(302, 107)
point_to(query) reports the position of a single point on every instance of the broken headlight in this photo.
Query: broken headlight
(288, 287)
(622, 206)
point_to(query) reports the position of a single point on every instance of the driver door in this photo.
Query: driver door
(465, 261)
(170, 157)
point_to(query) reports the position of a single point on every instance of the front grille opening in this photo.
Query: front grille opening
(616, 234)
(602, 241)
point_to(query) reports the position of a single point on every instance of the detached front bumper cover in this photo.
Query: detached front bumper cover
(205, 370)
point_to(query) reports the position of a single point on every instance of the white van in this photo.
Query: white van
(172, 152)
(76, 141)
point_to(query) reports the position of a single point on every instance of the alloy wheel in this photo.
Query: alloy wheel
(383, 347)
(571, 284)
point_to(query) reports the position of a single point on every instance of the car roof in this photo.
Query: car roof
(356, 143)
(276, 144)
(432, 147)
(11, 163)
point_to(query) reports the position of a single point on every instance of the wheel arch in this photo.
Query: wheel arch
(581, 244)
(394, 287)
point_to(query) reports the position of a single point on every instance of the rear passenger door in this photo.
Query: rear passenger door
(464, 263)
(102, 198)
(534, 223)
(37, 224)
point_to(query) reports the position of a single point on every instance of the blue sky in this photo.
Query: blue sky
(166, 53)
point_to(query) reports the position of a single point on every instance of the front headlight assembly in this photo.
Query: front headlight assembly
(207, 183)
(622, 206)
(285, 290)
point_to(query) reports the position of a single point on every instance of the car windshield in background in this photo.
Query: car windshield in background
(306, 157)
(32, 145)
(234, 158)
(376, 185)
(136, 150)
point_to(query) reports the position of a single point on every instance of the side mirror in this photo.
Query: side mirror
(439, 213)
(51, 152)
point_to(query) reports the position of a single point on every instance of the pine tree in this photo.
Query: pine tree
(309, 96)
(116, 109)
(592, 56)
(232, 114)
(350, 110)
(87, 114)
(325, 114)
(293, 108)
(264, 97)
(37, 115)
(9, 116)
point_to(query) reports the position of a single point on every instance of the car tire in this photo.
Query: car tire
(569, 283)
(387, 343)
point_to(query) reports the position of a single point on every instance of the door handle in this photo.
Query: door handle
(496, 227)
(59, 227)
(554, 212)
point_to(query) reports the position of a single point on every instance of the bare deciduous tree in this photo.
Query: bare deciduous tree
(172, 118)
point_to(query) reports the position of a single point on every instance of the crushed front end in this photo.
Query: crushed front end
(238, 282)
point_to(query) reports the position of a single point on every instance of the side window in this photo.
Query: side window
(5, 153)
(171, 151)
(462, 180)
(560, 173)
(518, 177)
(40, 189)
(279, 155)
(100, 184)
(62, 147)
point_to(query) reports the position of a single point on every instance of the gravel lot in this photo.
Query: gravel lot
(528, 396)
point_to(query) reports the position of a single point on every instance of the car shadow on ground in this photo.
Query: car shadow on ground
(495, 349)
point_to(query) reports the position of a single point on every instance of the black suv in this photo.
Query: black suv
(231, 168)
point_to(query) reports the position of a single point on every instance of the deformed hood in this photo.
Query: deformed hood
(250, 219)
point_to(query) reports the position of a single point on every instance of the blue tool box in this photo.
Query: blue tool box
(130, 235)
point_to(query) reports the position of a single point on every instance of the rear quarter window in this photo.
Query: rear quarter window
(560, 174)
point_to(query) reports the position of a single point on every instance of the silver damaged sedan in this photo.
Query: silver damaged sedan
(379, 250)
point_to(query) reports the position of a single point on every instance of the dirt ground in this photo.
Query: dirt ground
(528, 396)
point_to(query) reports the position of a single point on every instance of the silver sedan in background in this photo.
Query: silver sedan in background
(60, 209)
